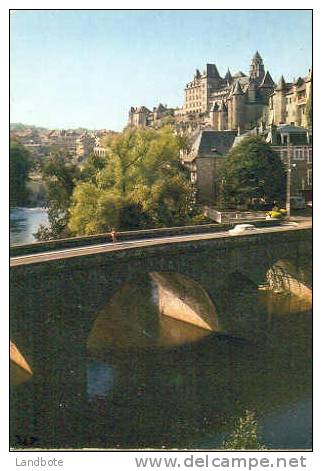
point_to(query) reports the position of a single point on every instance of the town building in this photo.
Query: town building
(99, 150)
(294, 145)
(85, 144)
(232, 102)
(210, 148)
(62, 139)
(205, 159)
(288, 102)
(142, 117)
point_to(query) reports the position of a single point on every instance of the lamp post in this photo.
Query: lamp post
(289, 179)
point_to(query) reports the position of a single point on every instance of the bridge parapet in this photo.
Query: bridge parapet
(83, 241)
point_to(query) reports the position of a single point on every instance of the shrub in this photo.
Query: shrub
(277, 213)
(245, 434)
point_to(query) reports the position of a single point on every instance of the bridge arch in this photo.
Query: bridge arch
(163, 308)
(284, 276)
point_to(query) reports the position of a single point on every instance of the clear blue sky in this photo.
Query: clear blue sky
(86, 68)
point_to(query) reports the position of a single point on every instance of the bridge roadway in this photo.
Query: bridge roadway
(117, 246)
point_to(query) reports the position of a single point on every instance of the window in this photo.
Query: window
(298, 154)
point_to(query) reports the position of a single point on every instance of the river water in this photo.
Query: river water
(24, 222)
(190, 395)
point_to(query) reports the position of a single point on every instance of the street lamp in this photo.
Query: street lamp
(290, 166)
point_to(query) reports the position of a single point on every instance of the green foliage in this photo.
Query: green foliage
(245, 434)
(20, 162)
(140, 183)
(60, 175)
(252, 170)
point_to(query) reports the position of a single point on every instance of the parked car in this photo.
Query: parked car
(241, 228)
(310, 204)
(297, 202)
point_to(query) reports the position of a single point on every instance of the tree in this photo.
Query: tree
(20, 162)
(60, 175)
(93, 210)
(253, 171)
(140, 183)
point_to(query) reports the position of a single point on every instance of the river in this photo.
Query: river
(24, 222)
(190, 394)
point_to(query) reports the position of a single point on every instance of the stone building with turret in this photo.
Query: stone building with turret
(235, 102)
(288, 103)
(232, 102)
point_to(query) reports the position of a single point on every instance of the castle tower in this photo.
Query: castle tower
(252, 87)
(238, 107)
(222, 117)
(257, 70)
(279, 101)
(214, 116)
(266, 87)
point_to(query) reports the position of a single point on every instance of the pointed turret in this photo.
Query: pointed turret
(267, 81)
(257, 57)
(299, 82)
(309, 76)
(212, 71)
(257, 70)
(228, 77)
(237, 89)
(281, 84)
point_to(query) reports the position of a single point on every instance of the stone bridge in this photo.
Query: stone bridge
(54, 306)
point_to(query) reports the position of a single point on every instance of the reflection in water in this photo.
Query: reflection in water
(186, 388)
(24, 222)
(20, 370)
(158, 310)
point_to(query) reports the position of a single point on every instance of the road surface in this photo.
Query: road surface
(126, 245)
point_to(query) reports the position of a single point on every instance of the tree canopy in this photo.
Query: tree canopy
(253, 171)
(140, 183)
(20, 162)
(60, 175)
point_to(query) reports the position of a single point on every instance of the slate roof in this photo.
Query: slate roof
(267, 81)
(257, 56)
(281, 84)
(290, 129)
(296, 131)
(211, 143)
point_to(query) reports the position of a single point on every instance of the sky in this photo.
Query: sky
(74, 68)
